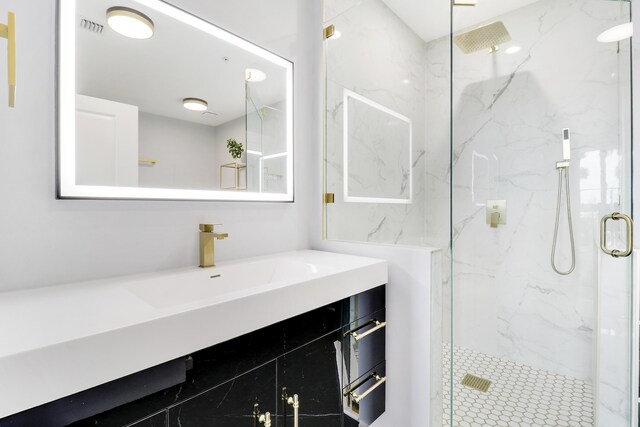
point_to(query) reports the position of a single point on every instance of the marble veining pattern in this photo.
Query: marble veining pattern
(378, 146)
(378, 57)
(509, 113)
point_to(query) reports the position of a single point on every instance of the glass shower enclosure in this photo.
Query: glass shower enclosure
(541, 184)
(506, 140)
(266, 139)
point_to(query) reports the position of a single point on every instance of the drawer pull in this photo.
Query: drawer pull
(358, 397)
(358, 336)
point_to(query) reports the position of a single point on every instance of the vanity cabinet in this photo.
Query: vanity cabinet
(230, 404)
(363, 345)
(313, 373)
(157, 420)
(365, 398)
(363, 366)
(314, 355)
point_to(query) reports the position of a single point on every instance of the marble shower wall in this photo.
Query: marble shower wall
(379, 57)
(509, 111)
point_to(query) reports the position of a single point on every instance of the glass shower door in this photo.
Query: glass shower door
(541, 317)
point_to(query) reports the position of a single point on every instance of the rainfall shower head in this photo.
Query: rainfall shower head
(488, 37)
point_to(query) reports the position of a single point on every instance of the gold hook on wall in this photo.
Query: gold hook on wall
(8, 32)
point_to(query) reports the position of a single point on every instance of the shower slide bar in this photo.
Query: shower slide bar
(563, 171)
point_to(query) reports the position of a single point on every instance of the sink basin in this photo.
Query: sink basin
(231, 280)
(60, 340)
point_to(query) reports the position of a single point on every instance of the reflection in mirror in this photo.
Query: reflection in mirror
(156, 103)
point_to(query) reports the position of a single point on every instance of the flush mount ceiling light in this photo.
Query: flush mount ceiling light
(254, 75)
(511, 50)
(129, 22)
(617, 33)
(465, 2)
(195, 104)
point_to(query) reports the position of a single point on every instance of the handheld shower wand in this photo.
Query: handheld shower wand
(563, 169)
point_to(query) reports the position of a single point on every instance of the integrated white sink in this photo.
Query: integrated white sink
(227, 281)
(59, 340)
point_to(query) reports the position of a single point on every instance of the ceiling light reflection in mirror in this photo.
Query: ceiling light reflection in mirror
(195, 104)
(129, 22)
(617, 33)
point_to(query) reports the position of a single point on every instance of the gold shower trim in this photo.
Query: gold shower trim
(329, 198)
(329, 31)
(476, 383)
(8, 31)
(489, 37)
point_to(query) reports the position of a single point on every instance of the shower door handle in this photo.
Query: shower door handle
(616, 216)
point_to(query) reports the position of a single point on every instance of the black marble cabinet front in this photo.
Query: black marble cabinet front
(230, 404)
(157, 420)
(313, 373)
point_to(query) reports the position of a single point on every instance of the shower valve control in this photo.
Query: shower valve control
(496, 212)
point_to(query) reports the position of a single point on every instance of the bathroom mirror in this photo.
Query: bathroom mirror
(156, 103)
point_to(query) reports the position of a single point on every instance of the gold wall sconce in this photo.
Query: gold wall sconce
(8, 32)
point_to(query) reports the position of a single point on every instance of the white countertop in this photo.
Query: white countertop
(59, 340)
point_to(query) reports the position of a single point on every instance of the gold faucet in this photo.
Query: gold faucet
(207, 247)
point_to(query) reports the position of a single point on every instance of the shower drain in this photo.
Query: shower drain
(476, 382)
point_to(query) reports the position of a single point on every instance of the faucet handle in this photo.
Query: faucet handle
(207, 228)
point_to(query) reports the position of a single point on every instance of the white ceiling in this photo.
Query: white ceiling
(177, 62)
(430, 20)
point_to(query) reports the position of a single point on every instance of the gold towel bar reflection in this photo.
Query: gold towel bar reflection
(149, 161)
(8, 32)
(358, 397)
(358, 336)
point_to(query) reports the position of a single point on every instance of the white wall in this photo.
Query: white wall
(186, 153)
(44, 241)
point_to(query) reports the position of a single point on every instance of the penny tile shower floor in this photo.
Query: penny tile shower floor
(519, 396)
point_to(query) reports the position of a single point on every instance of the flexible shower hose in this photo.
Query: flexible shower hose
(555, 233)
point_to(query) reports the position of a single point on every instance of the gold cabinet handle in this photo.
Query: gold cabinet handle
(616, 216)
(8, 32)
(358, 336)
(259, 418)
(358, 397)
(293, 401)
